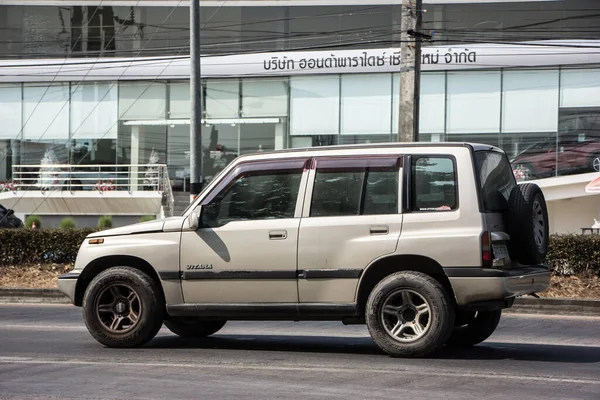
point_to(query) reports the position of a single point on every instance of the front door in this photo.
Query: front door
(351, 217)
(246, 247)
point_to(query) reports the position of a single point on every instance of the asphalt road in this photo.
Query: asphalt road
(46, 353)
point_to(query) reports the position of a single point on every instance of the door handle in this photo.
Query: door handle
(277, 235)
(379, 230)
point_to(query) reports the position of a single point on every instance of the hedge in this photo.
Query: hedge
(574, 255)
(568, 254)
(26, 246)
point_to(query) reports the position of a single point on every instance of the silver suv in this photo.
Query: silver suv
(426, 244)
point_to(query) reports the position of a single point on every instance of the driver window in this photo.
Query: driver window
(255, 196)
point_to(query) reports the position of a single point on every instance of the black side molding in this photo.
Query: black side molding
(476, 272)
(69, 275)
(169, 275)
(263, 275)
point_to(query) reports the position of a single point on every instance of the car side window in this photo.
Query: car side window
(255, 196)
(433, 184)
(355, 191)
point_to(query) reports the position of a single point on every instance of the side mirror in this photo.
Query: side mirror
(194, 219)
(10, 212)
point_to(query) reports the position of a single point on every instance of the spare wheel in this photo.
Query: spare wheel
(527, 223)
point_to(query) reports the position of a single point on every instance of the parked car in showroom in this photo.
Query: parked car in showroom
(8, 219)
(571, 155)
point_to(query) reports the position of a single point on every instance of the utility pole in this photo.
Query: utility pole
(410, 70)
(196, 176)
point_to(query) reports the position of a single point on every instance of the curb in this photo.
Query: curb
(21, 295)
(523, 305)
(531, 305)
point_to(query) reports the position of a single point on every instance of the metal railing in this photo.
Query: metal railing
(99, 177)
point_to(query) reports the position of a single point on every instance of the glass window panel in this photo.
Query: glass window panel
(314, 105)
(313, 141)
(46, 112)
(473, 102)
(432, 103)
(178, 156)
(179, 100)
(433, 184)
(264, 97)
(220, 147)
(256, 138)
(530, 101)
(222, 99)
(94, 111)
(10, 111)
(381, 192)
(366, 104)
(142, 100)
(337, 193)
(255, 197)
(580, 88)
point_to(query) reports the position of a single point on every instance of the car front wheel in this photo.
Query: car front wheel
(123, 307)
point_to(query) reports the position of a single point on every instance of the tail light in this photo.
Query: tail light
(486, 250)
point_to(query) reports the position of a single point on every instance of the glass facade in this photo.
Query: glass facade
(547, 120)
(31, 31)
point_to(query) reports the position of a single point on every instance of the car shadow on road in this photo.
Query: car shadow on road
(365, 345)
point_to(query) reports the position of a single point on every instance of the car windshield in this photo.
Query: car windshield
(496, 179)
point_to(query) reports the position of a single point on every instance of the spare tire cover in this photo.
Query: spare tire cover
(527, 224)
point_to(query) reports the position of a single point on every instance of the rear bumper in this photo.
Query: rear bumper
(472, 285)
(67, 284)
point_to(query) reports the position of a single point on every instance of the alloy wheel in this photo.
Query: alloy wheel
(406, 315)
(118, 308)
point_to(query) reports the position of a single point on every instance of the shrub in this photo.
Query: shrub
(26, 246)
(574, 255)
(67, 223)
(31, 219)
(105, 222)
(147, 218)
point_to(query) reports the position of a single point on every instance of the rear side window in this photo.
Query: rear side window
(433, 184)
(345, 189)
(496, 180)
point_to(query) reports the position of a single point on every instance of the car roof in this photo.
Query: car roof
(397, 145)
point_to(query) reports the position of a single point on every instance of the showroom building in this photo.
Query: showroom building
(524, 76)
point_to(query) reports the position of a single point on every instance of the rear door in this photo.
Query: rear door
(351, 217)
(496, 181)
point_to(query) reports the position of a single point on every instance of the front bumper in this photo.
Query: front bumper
(472, 285)
(67, 284)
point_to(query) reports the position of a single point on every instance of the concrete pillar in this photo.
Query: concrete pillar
(279, 136)
(135, 157)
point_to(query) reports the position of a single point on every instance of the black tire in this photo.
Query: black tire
(477, 328)
(193, 327)
(527, 224)
(151, 310)
(440, 320)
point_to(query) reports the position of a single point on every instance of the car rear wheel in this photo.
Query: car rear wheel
(477, 327)
(193, 327)
(123, 307)
(409, 314)
(527, 222)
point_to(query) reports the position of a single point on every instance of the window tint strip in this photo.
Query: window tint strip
(338, 163)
